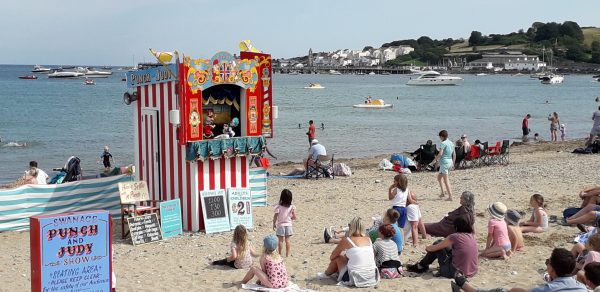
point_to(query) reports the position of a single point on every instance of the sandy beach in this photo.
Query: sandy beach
(182, 263)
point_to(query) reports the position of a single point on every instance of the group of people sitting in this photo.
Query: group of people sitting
(33, 175)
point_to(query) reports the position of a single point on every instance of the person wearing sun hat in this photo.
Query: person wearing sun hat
(498, 243)
(273, 273)
(515, 235)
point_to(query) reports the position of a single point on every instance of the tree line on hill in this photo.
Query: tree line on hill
(564, 40)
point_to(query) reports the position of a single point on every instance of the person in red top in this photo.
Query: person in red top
(525, 127)
(311, 132)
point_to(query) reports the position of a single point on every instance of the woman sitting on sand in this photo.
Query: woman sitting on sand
(456, 253)
(353, 259)
(446, 226)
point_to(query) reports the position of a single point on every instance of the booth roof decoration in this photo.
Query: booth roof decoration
(223, 68)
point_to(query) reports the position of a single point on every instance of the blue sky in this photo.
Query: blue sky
(115, 32)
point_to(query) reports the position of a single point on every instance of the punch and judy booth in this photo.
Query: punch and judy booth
(197, 124)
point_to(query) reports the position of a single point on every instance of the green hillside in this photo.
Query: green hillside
(590, 34)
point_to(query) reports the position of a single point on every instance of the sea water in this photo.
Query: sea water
(58, 118)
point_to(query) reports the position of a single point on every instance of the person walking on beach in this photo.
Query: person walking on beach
(525, 127)
(106, 158)
(554, 122)
(595, 128)
(311, 132)
(446, 159)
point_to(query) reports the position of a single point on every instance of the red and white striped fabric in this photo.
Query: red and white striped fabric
(160, 160)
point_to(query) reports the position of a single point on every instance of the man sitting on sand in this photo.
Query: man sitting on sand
(590, 208)
(560, 265)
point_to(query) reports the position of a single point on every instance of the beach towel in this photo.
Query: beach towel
(292, 287)
(341, 169)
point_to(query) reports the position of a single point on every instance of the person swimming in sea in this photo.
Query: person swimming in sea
(15, 144)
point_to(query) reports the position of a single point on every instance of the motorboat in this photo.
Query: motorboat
(40, 69)
(92, 73)
(334, 72)
(377, 103)
(518, 74)
(385, 73)
(371, 73)
(28, 77)
(64, 74)
(433, 78)
(481, 74)
(552, 79)
(360, 73)
(314, 86)
(89, 82)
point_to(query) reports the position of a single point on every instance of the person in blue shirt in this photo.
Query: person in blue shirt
(445, 158)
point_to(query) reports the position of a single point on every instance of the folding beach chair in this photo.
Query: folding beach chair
(494, 153)
(504, 155)
(132, 195)
(426, 155)
(323, 167)
(484, 159)
(472, 158)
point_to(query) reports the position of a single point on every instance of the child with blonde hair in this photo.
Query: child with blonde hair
(498, 243)
(539, 218)
(242, 250)
(272, 272)
(285, 213)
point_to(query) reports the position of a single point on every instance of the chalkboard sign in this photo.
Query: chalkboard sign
(144, 229)
(214, 211)
(170, 217)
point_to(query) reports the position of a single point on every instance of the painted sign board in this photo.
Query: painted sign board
(144, 228)
(151, 76)
(215, 211)
(71, 252)
(240, 207)
(133, 192)
(170, 217)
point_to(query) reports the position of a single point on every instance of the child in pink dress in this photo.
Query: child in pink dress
(285, 213)
(498, 242)
(272, 272)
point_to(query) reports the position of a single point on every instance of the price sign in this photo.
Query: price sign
(214, 211)
(240, 207)
(170, 215)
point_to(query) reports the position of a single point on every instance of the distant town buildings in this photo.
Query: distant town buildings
(348, 57)
(508, 60)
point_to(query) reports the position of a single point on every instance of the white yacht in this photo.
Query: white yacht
(64, 74)
(334, 72)
(92, 73)
(40, 69)
(552, 79)
(431, 78)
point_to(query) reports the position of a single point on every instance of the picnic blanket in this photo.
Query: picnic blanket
(292, 287)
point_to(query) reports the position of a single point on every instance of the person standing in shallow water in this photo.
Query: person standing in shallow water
(311, 132)
(525, 127)
(445, 158)
(554, 122)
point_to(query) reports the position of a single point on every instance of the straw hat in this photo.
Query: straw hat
(497, 210)
(513, 217)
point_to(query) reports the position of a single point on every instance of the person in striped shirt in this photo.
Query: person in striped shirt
(386, 250)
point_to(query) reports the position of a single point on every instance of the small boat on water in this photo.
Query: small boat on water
(481, 74)
(385, 73)
(293, 73)
(89, 82)
(92, 73)
(377, 103)
(40, 69)
(552, 79)
(334, 72)
(371, 73)
(314, 86)
(64, 74)
(28, 77)
(433, 78)
(518, 74)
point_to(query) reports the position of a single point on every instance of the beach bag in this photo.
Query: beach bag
(385, 164)
(390, 273)
(341, 169)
